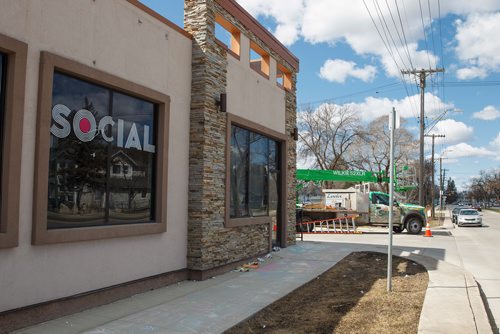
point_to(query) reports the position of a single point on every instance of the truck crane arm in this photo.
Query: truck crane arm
(340, 176)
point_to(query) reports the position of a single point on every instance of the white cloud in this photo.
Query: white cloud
(337, 70)
(288, 18)
(464, 150)
(473, 72)
(476, 44)
(454, 131)
(489, 113)
(495, 145)
(407, 107)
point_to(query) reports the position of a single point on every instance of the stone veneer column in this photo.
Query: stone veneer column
(291, 123)
(210, 243)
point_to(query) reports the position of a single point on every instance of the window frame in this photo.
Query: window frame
(15, 83)
(49, 63)
(281, 141)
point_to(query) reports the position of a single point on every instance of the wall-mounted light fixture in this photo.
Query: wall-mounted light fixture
(221, 102)
(295, 133)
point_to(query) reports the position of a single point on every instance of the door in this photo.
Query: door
(274, 194)
(379, 209)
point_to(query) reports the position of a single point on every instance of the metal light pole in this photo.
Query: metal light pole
(391, 199)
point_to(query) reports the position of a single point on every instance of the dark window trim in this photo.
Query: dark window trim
(16, 52)
(281, 140)
(41, 235)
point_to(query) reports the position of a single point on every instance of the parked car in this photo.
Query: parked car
(469, 217)
(454, 214)
(477, 207)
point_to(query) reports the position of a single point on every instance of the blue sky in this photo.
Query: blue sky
(345, 60)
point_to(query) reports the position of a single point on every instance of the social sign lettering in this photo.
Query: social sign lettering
(86, 128)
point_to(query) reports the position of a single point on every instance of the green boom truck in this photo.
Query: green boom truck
(372, 207)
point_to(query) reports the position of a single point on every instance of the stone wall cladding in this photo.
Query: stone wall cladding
(291, 123)
(210, 243)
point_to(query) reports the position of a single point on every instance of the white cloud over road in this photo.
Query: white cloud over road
(464, 150)
(455, 132)
(469, 73)
(489, 113)
(408, 107)
(338, 70)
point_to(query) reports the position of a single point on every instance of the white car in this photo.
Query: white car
(469, 217)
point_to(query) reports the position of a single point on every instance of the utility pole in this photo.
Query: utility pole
(422, 74)
(432, 163)
(441, 185)
(443, 179)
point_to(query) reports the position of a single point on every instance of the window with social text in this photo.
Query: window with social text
(102, 156)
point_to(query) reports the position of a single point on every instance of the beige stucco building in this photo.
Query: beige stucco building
(136, 153)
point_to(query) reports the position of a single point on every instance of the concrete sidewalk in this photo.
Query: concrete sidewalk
(452, 303)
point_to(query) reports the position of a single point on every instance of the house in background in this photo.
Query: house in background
(136, 153)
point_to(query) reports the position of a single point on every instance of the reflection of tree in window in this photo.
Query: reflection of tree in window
(81, 166)
(239, 171)
(253, 167)
(97, 182)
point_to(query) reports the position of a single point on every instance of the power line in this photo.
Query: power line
(404, 35)
(431, 28)
(425, 34)
(388, 50)
(469, 83)
(376, 89)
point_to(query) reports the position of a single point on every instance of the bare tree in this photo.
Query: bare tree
(371, 151)
(326, 134)
(486, 187)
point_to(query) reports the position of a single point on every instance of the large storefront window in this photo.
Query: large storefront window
(102, 156)
(3, 76)
(13, 55)
(254, 170)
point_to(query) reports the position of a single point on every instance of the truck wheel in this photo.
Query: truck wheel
(414, 225)
(398, 229)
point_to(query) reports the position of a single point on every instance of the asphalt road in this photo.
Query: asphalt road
(479, 251)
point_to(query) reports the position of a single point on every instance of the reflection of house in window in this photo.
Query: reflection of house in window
(125, 166)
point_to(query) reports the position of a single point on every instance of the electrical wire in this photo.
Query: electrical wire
(403, 33)
(376, 89)
(390, 53)
(425, 33)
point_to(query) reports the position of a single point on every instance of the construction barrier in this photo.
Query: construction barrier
(341, 225)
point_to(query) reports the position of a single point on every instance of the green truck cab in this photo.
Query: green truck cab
(406, 216)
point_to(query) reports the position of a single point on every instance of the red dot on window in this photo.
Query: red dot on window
(85, 125)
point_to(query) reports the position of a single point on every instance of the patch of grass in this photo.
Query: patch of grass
(349, 298)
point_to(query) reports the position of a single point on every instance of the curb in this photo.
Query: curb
(455, 293)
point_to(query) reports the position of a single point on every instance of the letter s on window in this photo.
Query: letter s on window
(57, 115)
